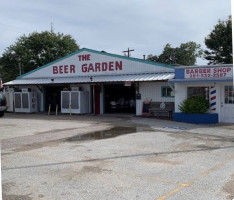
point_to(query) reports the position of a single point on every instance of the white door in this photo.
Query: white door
(75, 102)
(227, 104)
(65, 102)
(70, 102)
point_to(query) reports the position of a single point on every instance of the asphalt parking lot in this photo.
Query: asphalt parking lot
(114, 157)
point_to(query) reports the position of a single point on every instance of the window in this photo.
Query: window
(229, 94)
(198, 91)
(166, 91)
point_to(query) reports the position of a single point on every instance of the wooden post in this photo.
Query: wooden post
(128, 51)
(70, 110)
(49, 109)
(56, 112)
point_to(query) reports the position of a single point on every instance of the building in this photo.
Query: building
(214, 82)
(97, 82)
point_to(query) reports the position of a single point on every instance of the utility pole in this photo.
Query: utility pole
(17, 57)
(52, 27)
(20, 69)
(128, 51)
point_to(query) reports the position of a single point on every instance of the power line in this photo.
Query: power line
(14, 28)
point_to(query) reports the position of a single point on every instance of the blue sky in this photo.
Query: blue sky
(113, 26)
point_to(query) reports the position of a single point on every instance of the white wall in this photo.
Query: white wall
(181, 95)
(151, 91)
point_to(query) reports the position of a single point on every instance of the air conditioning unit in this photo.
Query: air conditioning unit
(25, 102)
(75, 102)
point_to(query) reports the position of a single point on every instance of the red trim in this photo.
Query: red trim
(213, 98)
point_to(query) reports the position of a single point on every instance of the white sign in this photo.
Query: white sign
(90, 63)
(211, 72)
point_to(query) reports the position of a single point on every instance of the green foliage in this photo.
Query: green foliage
(185, 54)
(219, 41)
(197, 104)
(35, 50)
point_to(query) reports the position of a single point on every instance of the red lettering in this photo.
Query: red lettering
(111, 66)
(55, 69)
(84, 57)
(104, 66)
(118, 65)
(90, 67)
(229, 69)
(187, 71)
(84, 68)
(101, 67)
(97, 67)
(72, 69)
(61, 69)
(65, 69)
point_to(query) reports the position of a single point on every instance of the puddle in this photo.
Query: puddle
(113, 132)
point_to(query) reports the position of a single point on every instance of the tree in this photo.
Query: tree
(34, 50)
(185, 54)
(219, 41)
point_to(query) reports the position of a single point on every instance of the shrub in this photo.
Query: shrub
(197, 104)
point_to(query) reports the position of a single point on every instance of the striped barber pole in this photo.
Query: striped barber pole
(213, 98)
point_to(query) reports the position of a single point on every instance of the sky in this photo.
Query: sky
(115, 25)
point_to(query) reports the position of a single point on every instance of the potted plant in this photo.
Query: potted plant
(194, 110)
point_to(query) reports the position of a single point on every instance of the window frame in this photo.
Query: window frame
(166, 87)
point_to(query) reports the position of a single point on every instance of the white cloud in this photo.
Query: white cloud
(113, 26)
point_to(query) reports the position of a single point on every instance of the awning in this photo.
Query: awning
(94, 79)
(201, 80)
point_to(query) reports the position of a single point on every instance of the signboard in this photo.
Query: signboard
(91, 63)
(128, 83)
(209, 72)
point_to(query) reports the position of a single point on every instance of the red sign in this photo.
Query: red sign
(64, 69)
(102, 67)
(127, 83)
(212, 72)
(87, 66)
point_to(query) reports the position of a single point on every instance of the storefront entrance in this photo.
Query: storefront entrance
(53, 97)
(119, 98)
(227, 104)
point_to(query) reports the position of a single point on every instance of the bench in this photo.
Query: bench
(162, 109)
